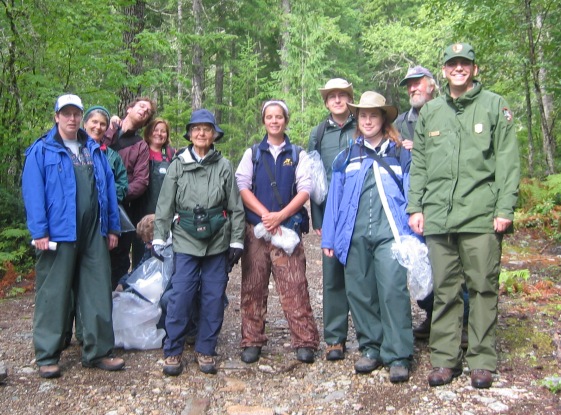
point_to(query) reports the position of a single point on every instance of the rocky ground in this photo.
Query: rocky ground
(529, 351)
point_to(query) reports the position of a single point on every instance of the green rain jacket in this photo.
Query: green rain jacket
(335, 139)
(466, 167)
(209, 183)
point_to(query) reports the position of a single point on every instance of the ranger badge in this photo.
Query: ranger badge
(508, 114)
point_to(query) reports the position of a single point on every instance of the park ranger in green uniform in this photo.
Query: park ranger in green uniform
(329, 138)
(464, 186)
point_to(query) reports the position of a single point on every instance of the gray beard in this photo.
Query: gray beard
(418, 101)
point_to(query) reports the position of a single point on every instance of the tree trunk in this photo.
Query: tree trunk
(197, 61)
(284, 42)
(219, 89)
(548, 139)
(135, 15)
(527, 93)
(12, 106)
(179, 70)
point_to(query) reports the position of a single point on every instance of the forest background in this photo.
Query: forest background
(230, 55)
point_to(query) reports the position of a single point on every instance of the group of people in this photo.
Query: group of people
(445, 172)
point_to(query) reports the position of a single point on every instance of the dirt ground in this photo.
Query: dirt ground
(528, 345)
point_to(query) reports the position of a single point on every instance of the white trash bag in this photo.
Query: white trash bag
(315, 168)
(151, 278)
(287, 241)
(413, 255)
(134, 322)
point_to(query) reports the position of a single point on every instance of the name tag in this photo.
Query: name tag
(434, 133)
(478, 128)
(163, 170)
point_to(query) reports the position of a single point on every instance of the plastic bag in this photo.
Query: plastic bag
(413, 255)
(319, 177)
(287, 241)
(151, 278)
(134, 322)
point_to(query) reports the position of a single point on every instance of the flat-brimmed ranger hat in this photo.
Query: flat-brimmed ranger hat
(414, 73)
(371, 99)
(203, 116)
(336, 84)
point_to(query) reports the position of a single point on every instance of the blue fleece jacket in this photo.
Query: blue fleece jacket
(345, 190)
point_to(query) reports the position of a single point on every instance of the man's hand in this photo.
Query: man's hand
(501, 225)
(417, 223)
(328, 252)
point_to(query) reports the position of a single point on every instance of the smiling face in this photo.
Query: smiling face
(159, 136)
(202, 137)
(96, 126)
(460, 73)
(68, 120)
(275, 121)
(336, 102)
(370, 123)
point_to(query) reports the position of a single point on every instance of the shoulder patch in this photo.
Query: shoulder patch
(507, 114)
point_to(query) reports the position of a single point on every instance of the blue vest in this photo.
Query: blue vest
(284, 171)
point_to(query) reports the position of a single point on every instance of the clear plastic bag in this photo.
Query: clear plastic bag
(287, 241)
(134, 322)
(413, 255)
(151, 278)
(319, 177)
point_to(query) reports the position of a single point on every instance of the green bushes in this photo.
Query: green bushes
(16, 253)
(539, 205)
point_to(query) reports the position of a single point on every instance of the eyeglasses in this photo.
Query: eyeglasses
(201, 129)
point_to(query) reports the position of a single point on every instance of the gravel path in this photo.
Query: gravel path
(277, 384)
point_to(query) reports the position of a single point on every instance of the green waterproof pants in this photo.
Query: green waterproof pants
(477, 257)
(56, 272)
(335, 305)
(376, 284)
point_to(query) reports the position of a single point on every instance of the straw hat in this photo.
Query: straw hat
(371, 99)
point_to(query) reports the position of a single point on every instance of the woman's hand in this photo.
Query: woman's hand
(112, 241)
(327, 252)
(272, 221)
(42, 244)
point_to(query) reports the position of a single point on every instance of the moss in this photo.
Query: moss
(522, 340)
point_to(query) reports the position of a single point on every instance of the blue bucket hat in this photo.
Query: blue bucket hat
(203, 116)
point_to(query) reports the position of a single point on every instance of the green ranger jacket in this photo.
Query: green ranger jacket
(335, 139)
(209, 183)
(466, 167)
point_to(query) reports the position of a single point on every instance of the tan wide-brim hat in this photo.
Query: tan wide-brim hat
(371, 99)
(338, 84)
